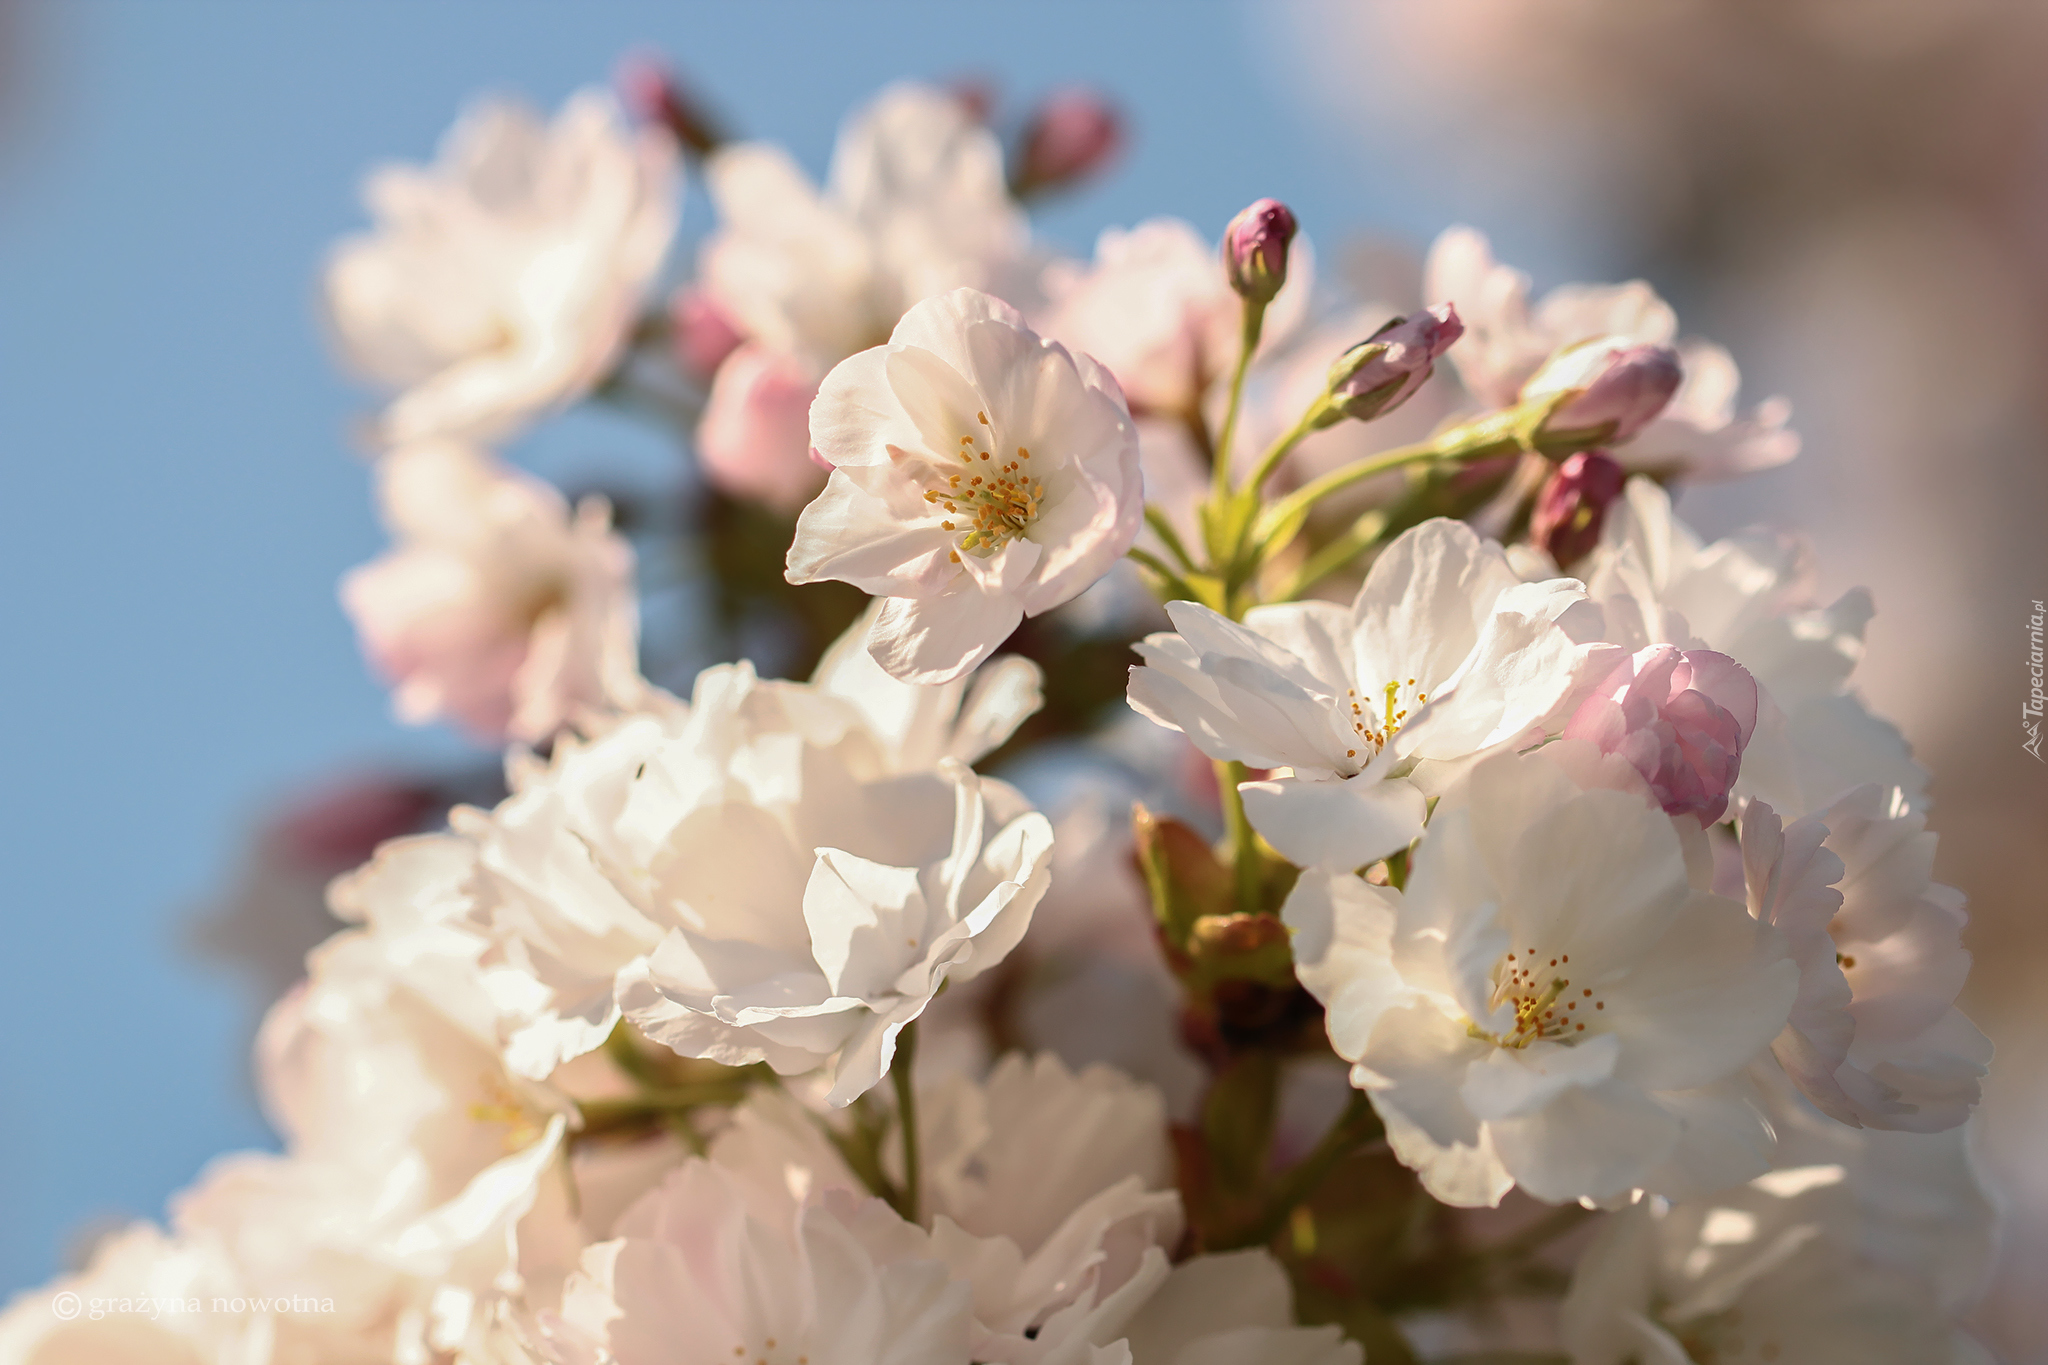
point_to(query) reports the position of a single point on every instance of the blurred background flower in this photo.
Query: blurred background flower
(1849, 197)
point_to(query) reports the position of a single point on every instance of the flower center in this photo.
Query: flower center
(1547, 1006)
(1376, 718)
(990, 502)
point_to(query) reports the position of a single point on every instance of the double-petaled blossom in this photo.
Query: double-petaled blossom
(758, 875)
(1046, 1190)
(1874, 1039)
(1750, 597)
(1444, 654)
(500, 608)
(691, 1273)
(503, 281)
(980, 474)
(1680, 719)
(915, 204)
(1766, 1271)
(1549, 1003)
(1507, 339)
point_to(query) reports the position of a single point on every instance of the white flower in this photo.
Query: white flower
(1549, 1004)
(981, 474)
(138, 1264)
(692, 1274)
(1443, 654)
(1048, 1191)
(755, 876)
(1234, 1308)
(916, 204)
(1506, 341)
(1750, 597)
(499, 608)
(1875, 1038)
(1763, 1272)
(1922, 1204)
(502, 281)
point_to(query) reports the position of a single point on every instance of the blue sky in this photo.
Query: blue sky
(183, 497)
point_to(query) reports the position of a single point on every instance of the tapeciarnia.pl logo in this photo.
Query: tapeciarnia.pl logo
(2030, 713)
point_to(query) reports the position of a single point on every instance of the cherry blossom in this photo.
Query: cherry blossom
(500, 608)
(1549, 1004)
(502, 281)
(980, 474)
(1443, 654)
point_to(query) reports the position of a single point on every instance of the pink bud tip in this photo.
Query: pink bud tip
(1382, 372)
(1255, 249)
(702, 333)
(1073, 134)
(651, 93)
(1617, 387)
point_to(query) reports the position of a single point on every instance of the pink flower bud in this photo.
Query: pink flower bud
(1382, 372)
(1073, 134)
(340, 826)
(1679, 718)
(702, 334)
(1573, 504)
(754, 440)
(1255, 250)
(650, 92)
(1617, 387)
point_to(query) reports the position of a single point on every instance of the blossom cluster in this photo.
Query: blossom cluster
(1568, 979)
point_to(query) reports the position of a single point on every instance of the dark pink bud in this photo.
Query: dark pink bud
(1073, 134)
(1382, 372)
(1255, 250)
(1617, 387)
(651, 93)
(1573, 504)
(701, 333)
(340, 826)
(1680, 718)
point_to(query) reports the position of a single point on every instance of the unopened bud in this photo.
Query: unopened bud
(702, 333)
(1073, 134)
(1255, 250)
(652, 95)
(1573, 504)
(1382, 372)
(1617, 387)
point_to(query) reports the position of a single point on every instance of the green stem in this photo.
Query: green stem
(1170, 538)
(906, 1119)
(1174, 583)
(1489, 436)
(1279, 450)
(1245, 857)
(1247, 343)
(655, 1106)
(1362, 535)
(1358, 1125)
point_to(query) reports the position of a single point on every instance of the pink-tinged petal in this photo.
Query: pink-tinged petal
(848, 534)
(936, 639)
(754, 440)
